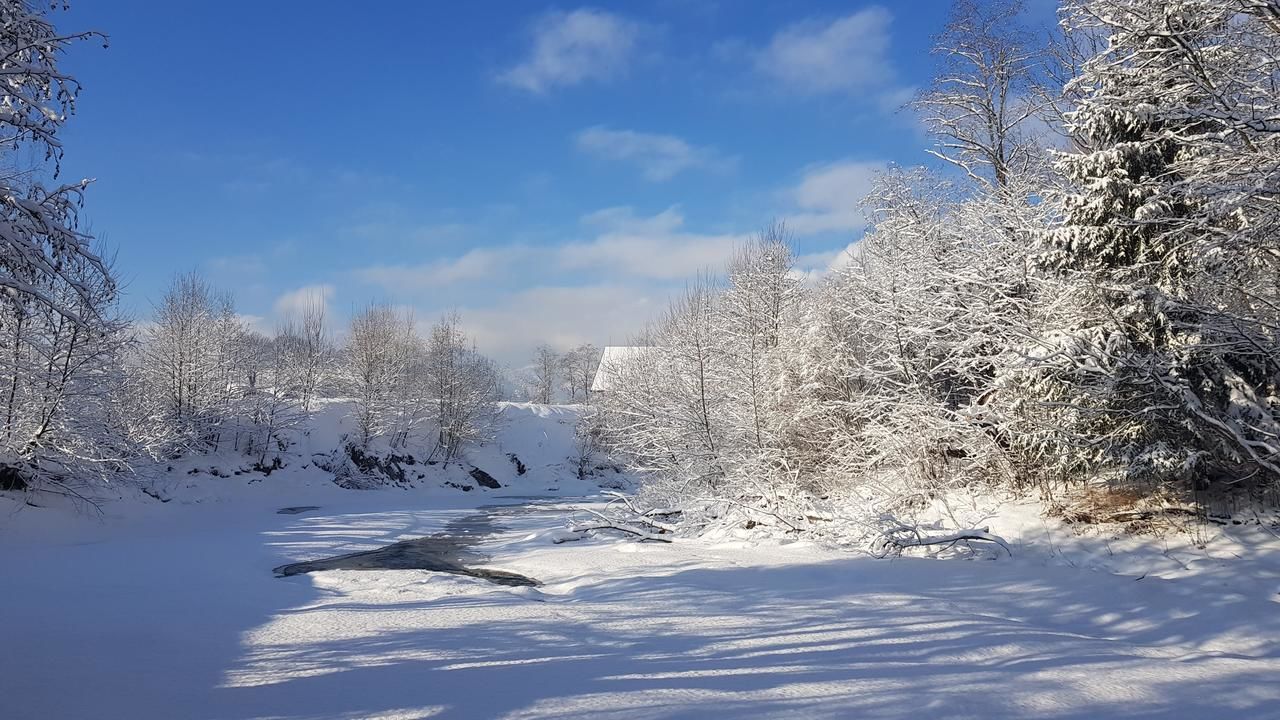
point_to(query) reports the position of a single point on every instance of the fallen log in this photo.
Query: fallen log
(1149, 514)
(898, 540)
(620, 527)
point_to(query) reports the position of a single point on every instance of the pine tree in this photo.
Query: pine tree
(1157, 387)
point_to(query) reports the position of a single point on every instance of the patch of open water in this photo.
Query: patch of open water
(449, 551)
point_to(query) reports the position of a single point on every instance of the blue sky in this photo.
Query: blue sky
(552, 172)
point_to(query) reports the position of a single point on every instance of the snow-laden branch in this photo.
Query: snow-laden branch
(902, 537)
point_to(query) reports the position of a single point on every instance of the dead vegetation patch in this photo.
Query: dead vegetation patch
(1139, 512)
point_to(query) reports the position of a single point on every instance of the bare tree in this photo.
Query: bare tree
(464, 384)
(578, 370)
(376, 363)
(271, 394)
(191, 355)
(309, 349)
(42, 249)
(544, 375)
(984, 99)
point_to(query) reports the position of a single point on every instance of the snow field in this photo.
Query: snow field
(181, 617)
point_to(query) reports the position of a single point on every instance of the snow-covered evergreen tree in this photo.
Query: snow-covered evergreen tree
(1168, 367)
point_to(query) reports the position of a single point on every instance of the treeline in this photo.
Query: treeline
(1084, 293)
(401, 381)
(87, 400)
(553, 375)
(202, 380)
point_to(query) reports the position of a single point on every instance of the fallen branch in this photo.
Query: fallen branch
(644, 517)
(635, 516)
(629, 529)
(1132, 515)
(898, 539)
(751, 508)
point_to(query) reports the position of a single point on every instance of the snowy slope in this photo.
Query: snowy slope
(541, 437)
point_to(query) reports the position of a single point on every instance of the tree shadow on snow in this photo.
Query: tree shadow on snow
(850, 638)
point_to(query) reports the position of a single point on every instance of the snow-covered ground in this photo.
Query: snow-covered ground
(171, 610)
(176, 614)
(532, 447)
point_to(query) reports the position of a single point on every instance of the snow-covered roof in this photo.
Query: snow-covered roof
(613, 362)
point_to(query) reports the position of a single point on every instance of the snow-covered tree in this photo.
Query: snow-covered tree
(309, 350)
(543, 375)
(1169, 364)
(984, 100)
(376, 363)
(60, 330)
(60, 381)
(464, 386)
(271, 395)
(756, 306)
(664, 409)
(192, 366)
(888, 387)
(42, 251)
(578, 371)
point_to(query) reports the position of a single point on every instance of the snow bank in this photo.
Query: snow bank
(532, 453)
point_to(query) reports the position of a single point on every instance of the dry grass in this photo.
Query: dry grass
(1138, 511)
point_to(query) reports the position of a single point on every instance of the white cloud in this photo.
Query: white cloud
(659, 157)
(625, 245)
(256, 323)
(573, 48)
(483, 263)
(625, 218)
(896, 99)
(813, 267)
(562, 317)
(391, 226)
(653, 247)
(294, 302)
(818, 261)
(851, 252)
(600, 289)
(827, 197)
(849, 54)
